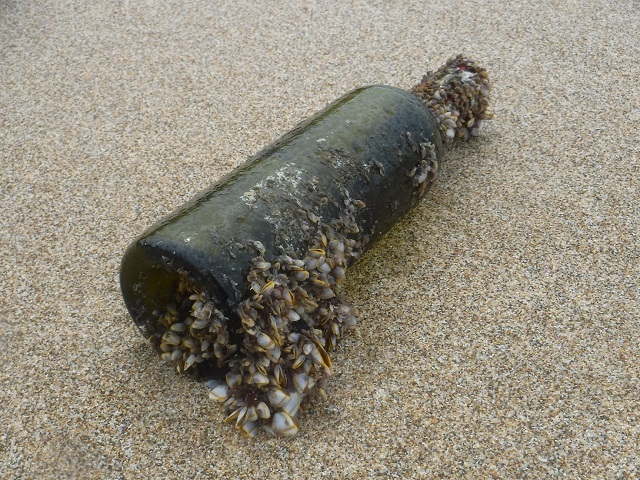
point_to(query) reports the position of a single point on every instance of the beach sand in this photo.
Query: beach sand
(499, 334)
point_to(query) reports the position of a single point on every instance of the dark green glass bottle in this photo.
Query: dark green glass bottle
(364, 147)
(242, 280)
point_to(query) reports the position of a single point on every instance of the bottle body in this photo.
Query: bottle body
(365, 159)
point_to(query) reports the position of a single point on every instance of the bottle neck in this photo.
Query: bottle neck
(458, 94)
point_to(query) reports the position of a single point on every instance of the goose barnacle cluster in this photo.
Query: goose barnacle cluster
(458, 94)
(290, 320)
(195, 330)
(289, 323)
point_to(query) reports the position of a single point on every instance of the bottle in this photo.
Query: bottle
(241, 281)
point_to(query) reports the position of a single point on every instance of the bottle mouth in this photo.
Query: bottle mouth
(458, 94)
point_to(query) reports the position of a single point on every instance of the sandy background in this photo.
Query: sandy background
(500, 331)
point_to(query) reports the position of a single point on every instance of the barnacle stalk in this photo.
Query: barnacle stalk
(242, 284)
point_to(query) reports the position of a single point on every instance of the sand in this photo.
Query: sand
(499, 334)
